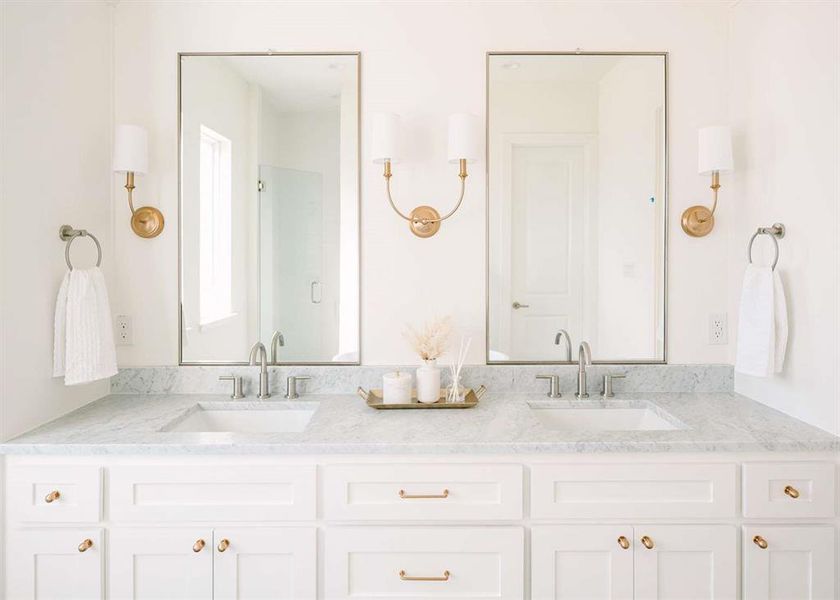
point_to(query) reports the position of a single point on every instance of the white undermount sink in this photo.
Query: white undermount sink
(251, 418)
(596, 416)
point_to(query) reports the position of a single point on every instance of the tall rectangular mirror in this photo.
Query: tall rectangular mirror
(269, 207)
(577, 205)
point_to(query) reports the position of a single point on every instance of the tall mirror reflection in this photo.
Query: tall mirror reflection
(576, 206)
(269, 207)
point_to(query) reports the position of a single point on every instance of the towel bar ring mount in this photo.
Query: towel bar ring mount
(776, 232)
(68, 234)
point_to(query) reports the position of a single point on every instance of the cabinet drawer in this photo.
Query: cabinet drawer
(211, 493)
(50, 494)
(424, 562)
(634, 490)
(794, 489)
(422, 491)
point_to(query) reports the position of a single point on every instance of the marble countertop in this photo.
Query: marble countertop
(501, 423)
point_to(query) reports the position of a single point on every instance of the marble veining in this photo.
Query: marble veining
(501, 423)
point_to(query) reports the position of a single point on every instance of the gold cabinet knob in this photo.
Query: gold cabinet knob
(791, 491)
(623, 542)
(52, 496)
(198, 546)
(223, 545)
(404, 577)
(406, 496)
(760, 542)
(647, 542)
(86, 545)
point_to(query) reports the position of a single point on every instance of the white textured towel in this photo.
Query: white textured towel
(762, 323)
(83, 348)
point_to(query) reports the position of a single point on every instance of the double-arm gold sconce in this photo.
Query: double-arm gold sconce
(714, 156)
(464, 143)
(130, 157)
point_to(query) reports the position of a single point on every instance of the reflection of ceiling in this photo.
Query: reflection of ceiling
(556, 68)
(298, 83)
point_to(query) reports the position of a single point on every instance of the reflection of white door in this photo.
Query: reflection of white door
(548, 210)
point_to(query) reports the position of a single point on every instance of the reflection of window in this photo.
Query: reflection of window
(215, 226)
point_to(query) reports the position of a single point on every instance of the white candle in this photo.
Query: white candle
(396, 388)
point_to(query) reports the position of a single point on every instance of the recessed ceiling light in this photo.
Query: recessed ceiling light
(511, 66)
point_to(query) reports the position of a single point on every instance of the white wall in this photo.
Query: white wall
(55, 161)
(785, 98)
(423, 77)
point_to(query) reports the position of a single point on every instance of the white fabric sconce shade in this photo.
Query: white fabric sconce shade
(131, 149)
(714, 149)
(386, 137)
(464, 138)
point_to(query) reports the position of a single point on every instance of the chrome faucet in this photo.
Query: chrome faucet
(252, 360)
(291, 386)
(564, 334)
(584, 358)
(277, 340)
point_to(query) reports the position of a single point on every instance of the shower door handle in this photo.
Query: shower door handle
(312, 292)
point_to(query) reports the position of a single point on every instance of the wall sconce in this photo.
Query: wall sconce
(714, 154)
(130, 157)
(464, 147)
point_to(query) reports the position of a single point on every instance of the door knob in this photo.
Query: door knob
(647, 542)
(223, 545)
(623, 542)
(517, 305)
(198, 546)
(86, 545)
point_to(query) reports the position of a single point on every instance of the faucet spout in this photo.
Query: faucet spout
(277, 341)
(258, 349)
(564, 335)
(584, 358)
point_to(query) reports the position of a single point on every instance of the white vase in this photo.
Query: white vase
(428, 382)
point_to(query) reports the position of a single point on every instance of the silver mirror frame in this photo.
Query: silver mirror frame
(358, 55)
(664, 359)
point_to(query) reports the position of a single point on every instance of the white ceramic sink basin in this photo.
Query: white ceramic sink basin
(614, 416)
(236, 418)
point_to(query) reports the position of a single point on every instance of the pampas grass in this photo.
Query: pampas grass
(431, 340)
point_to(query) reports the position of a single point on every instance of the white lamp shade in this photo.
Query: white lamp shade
(714, 149)
(385, 141)
(131, 149)
(464, 137)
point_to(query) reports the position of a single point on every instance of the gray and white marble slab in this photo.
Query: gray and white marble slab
(498, 378)
(502, 423)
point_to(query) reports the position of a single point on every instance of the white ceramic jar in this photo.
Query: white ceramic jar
(396, 388)
(428, 382)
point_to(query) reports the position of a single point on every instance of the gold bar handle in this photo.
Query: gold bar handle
(86, 545)
(480, 392)
(405, 496)
(198, 546)
(647, 542)
(52, 496)
(223, 545)
(760, 542)
(362, 392)
(623, 542)
(444, 577)
(792, 491)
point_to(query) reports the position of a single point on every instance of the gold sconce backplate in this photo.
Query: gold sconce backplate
(147, 222)
(424, 221)
(698, 221)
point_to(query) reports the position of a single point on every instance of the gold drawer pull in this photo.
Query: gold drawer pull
(198, 546)
(760, 542)
(403, 495)
(623, 542)
(444, 577)
(223, 545)
(647, 542)
(86, 545)
(791, 491)
(52, 496)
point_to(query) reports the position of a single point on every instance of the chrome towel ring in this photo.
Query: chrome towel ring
(776, 232)
(68, 234)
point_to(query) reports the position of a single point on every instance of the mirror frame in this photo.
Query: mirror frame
(664, 359)
(358, 55)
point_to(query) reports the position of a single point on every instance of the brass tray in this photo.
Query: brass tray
(373, 398)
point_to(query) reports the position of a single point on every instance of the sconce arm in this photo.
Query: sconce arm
(462, 175)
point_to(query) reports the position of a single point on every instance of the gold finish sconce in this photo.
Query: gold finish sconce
(714, 156)
(130, 157)
(464, 142)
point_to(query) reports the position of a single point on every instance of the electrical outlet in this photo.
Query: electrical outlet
(718, 329)
(124, 333)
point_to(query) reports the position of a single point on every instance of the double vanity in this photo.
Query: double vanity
(689, 491)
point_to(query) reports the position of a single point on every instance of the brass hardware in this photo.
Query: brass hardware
(404, 496)
(198, 546)
(373, 398)
(698, 221)
(791, 491)
(86, 545)
(146, 221)
(760, 542)
(647, 542)
(623, 542)
(52, 496)
(444, 577)
(223, 545)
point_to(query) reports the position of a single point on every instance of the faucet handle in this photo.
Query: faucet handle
(291, 385)
(608, 381)
(237, 385)
(554, 385)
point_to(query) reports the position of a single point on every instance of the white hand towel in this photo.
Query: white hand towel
(84, 339)
(762, 323)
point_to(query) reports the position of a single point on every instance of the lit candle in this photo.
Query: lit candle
(396, 388)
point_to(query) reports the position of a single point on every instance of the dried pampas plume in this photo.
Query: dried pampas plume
(431, 340)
